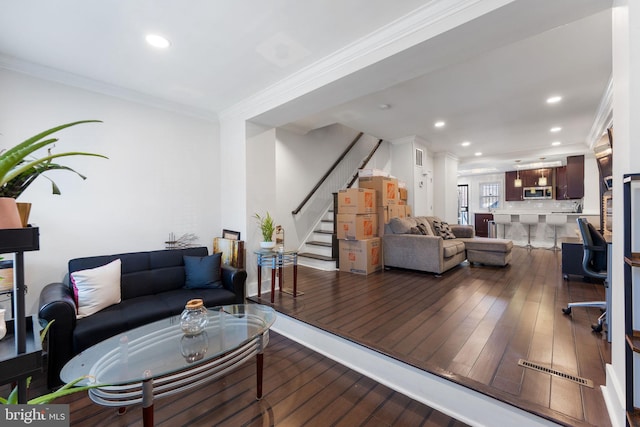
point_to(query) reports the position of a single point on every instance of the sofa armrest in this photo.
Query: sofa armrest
(234, 280)
(462, 230)
(57, 303)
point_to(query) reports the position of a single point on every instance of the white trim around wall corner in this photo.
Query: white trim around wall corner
(604, 116)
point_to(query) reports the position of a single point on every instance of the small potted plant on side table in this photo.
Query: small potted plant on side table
(266, 228)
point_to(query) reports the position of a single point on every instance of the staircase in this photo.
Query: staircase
(317, 249)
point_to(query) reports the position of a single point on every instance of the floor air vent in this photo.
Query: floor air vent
(540, 368)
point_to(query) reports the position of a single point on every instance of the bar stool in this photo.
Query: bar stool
(529, 220)
(557, 220)
(504, 219)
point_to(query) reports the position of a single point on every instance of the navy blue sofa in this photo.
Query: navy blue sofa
(152, 288)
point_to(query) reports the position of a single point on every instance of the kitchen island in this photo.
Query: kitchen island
(542, 233)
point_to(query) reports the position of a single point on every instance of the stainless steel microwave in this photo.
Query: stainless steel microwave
(537, 193)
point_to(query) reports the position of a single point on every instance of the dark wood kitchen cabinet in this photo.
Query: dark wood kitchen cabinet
(481, 221)
(575, 177)
(511, 192)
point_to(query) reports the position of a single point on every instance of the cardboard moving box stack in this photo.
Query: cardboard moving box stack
(357, 231)
(389, 203)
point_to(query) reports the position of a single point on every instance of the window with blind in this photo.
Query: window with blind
(489, 195)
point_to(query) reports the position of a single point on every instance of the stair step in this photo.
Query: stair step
(316, 256)
(323, 231)
(327, 220)
(317, 243)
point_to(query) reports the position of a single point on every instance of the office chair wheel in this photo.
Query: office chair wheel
(566, 310)
(597, 327)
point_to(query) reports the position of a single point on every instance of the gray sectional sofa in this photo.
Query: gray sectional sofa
(416, 243)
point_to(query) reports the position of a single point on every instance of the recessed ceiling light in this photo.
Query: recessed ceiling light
(384, 106)
(555, 143)
(554, 99)
(555, 129)
(439, 124)
(157, 41)
(466, 143)
(478, 153)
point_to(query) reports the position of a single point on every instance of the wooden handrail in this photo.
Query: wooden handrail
(326, 175)
(364, 163)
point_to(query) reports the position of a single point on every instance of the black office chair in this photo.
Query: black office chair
(594, 264)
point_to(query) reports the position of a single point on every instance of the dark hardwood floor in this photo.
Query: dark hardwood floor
(301, 388)
(472, 325)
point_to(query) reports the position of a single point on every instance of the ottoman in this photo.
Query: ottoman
(484, 250)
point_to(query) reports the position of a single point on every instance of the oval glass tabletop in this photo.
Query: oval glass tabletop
(161, 348)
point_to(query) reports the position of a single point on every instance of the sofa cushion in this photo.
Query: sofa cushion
(401, 225)
(202, 272)
(452, 247)
(96, 288)
(442, 229)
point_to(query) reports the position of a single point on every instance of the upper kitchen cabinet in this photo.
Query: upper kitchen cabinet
(570, 179)
(511, 192)
(575, 177)
(531, 178)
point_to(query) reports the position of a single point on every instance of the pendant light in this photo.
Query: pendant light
(518, 181)
(542, 181)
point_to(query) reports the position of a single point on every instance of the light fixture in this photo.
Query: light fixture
(439, 124)
(384, 106)
(542, 181)
(157, 41)
(517, 182)
(465, 143)
(554, 99)
(478, 154)
(556, 143)
(555, 129)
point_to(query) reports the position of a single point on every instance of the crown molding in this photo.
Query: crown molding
(74, 80)
(604, 116)
(431, 19)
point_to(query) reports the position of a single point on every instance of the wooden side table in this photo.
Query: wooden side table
(277, 260)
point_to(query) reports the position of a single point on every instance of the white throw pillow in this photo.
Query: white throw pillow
(96, 288)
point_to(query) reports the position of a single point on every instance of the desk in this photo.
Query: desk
(277, 259)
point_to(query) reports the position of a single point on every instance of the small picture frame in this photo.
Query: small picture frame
(230, 234)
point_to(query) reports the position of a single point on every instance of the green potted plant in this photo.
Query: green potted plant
(267, 228)
(18, 170)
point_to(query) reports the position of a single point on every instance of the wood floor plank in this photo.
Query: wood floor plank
(474, 323)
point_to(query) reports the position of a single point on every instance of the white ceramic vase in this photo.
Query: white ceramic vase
(3, 324)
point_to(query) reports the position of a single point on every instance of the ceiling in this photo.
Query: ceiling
(222, 52)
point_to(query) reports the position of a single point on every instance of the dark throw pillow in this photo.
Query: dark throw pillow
(443, 230)
(202, 272)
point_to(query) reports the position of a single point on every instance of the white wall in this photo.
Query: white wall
(162, 175)
(445, 176)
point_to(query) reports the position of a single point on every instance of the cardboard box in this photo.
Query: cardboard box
(407, 210)
(357, 226)
(386, 188)
(357, 201)
(403, 193)
(372, 172)
(360, 256)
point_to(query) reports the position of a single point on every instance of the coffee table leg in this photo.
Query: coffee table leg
(259, 366)
(147, 400)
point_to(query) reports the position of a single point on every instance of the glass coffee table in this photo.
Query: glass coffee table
(158, 359)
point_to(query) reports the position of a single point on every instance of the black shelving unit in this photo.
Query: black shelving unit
(631, 261)
(20, 351)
